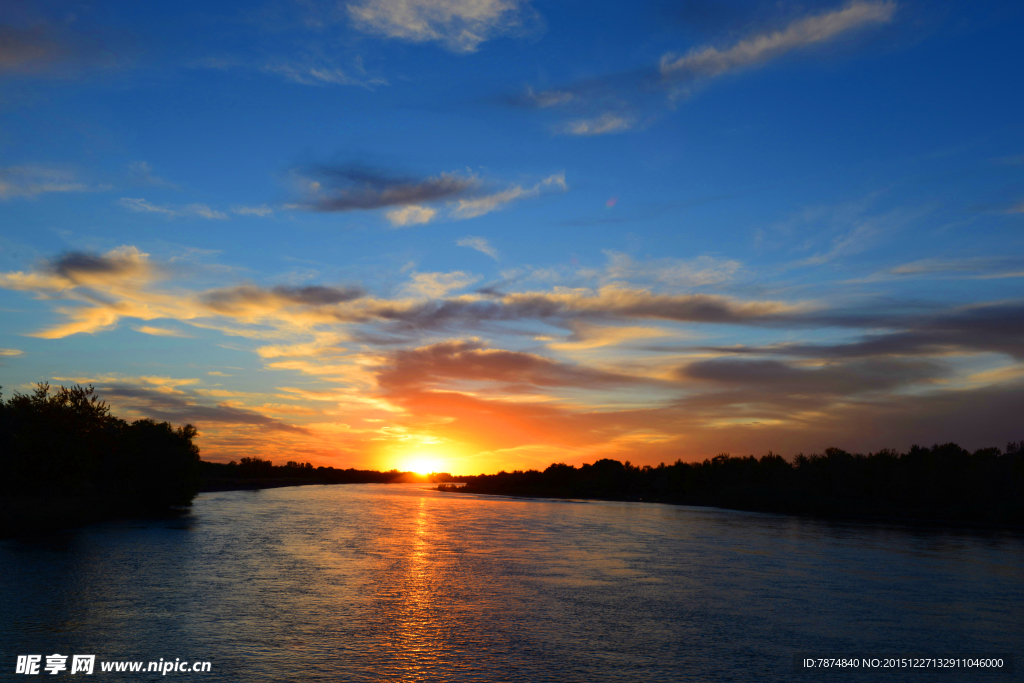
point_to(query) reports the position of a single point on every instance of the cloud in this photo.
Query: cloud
(140, 205)
(314, 73)
(10, 352)
(30, 181)
(617, 102)
(437, 285)
(563, 306)
(142, 172)
(550, 98)
(459, 25)
(671, 272)
(595, 387)
(359, 188)
(411, 215)
(203, 211)
(480, 244)
(353, 187)
(601, 125)
(978, 328)
(48, 51)
(78, 268)
(471, 361)
(159, 331)
(978, 267)
(849, 244)
(188, 211)
(707, 62)
(250, 298)
(179, 407)
(585, 336)
(84, 267)
(479, 206)
(262, 211)
(835, 379)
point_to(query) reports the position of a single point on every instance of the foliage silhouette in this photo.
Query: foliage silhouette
(67, 459)
(944, 482)
(252, 473)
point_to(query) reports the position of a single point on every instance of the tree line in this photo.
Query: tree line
(944, 482)
(252, 472)
(64, 456)
(66, 460)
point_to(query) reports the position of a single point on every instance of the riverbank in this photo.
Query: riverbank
(944, 484)
(818, 511)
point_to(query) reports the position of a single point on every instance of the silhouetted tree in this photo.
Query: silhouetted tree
(66, 444)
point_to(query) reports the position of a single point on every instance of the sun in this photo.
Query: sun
(420, 465)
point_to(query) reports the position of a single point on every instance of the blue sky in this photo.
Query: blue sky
(498, 234)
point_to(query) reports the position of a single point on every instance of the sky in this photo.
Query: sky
(475, 235)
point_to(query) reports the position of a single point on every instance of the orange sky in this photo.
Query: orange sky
(478, 382)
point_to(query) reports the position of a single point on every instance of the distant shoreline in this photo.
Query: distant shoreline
(942, 484)
(845, 516)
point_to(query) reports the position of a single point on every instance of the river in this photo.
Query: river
(401, 583)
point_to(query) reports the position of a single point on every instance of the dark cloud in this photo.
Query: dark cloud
(558, 309)
(30, 50)
(977, 418)
(318, 295)
(249, 296)
(472, 361)
(845, 379)
(355, 187)
(79, 266)
(981, 328)
(47, 50)
(178, 408)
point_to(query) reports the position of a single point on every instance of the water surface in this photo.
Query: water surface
(396, 582)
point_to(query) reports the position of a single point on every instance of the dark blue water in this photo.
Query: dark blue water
(394, 582)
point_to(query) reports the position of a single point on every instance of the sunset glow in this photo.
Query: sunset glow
(479, 246)
(420, 466)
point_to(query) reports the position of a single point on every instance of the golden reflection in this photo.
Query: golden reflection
(417, 623)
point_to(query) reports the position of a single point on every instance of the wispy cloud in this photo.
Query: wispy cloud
(317, 72)
(141, 172)
(616, 102)
(354, 187)
(159, 331)
(30, 181)
(480, 244)
(10, 352)
(670, 272)
(601, 125)
(182, 406)
(437, 285)
(359, 188)
(412, 214)
(262, 211)
(247, 299)
(478, 206)
(549, 98)
(707, 62)
(978, 267)
(46, 50)
(458, 25)
(140, 205)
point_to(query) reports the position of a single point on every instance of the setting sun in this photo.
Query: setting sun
(420, 465)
